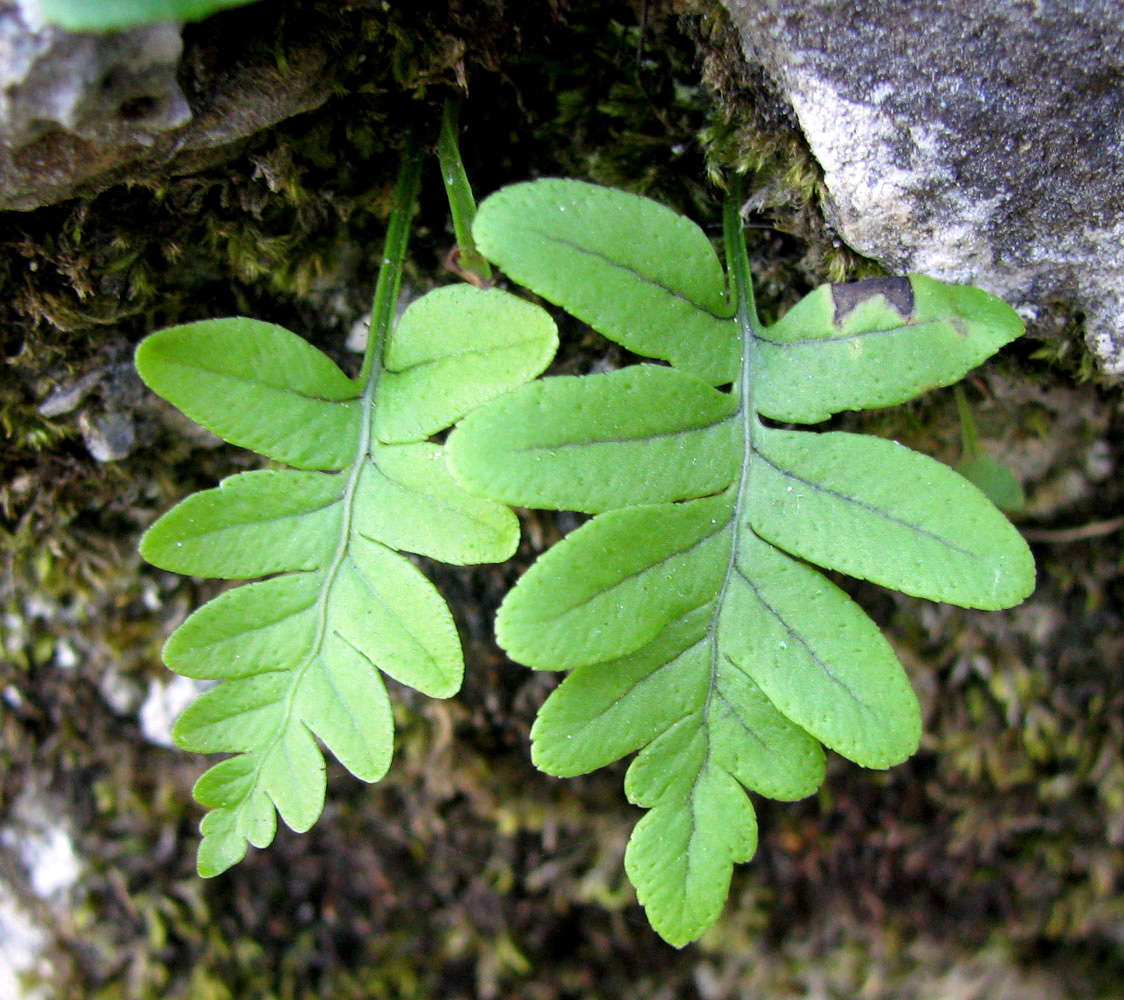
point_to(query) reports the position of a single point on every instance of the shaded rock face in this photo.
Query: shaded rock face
(72, 105)
(97, 87)
(79, 112)
(981, 143)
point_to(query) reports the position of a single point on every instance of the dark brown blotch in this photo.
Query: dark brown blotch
(896, 291)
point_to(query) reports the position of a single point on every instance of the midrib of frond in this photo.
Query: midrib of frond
(749, 330)
(339, 557)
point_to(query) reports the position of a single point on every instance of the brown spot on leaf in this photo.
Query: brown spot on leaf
(898, 292)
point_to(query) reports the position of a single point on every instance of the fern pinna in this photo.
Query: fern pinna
(686, 610)
(300, 652)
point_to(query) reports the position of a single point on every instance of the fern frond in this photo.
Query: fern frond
(695, 631)
(301, 654)
(118, 15)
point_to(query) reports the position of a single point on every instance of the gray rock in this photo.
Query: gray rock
(981, 143)
(37, 841)
(69, 395)
(120, 87)
(165, 701)
(80, 112)
(72, 105)
(108, 437)
(108, 427)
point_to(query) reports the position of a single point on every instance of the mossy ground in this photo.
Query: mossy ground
(990, 865)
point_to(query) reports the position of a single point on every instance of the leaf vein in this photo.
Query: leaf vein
(638, 275)
(650, 566)
(793, 634)
(434, 499)
(476, 352)
(284, 390)
(748, 729)
(644, 438)
(877, 511)
(369, 587)
(343, 702)
(888, 331)
(640, 682)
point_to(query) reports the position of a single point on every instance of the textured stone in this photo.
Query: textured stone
(974, 142)
(107, 424)
(108, 438)
(79, 112)
(37, 838)
(97, 87)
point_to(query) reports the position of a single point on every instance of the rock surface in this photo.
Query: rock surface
(38, 849)
(975, 143)
(79, 112)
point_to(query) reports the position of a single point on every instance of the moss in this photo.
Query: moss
(465, 873)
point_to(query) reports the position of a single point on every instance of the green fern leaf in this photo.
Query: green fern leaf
(120, 15)
(695, 631)
(300, 653)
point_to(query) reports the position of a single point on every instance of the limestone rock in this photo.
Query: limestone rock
(981, 143)
(108, 423)
(97, 87)
(37, 839)
(79, 112)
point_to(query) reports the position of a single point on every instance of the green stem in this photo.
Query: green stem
(749, 327)
(461, 203)
(382, 319)
(737, 257)
(741, 288)
(393, 256)
(969, 441)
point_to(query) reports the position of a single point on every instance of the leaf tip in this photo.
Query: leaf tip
(218, 852)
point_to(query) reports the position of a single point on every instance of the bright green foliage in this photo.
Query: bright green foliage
(995, 480)
(992, 477)
(300, 652)
(695, 630)
(117, 15)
